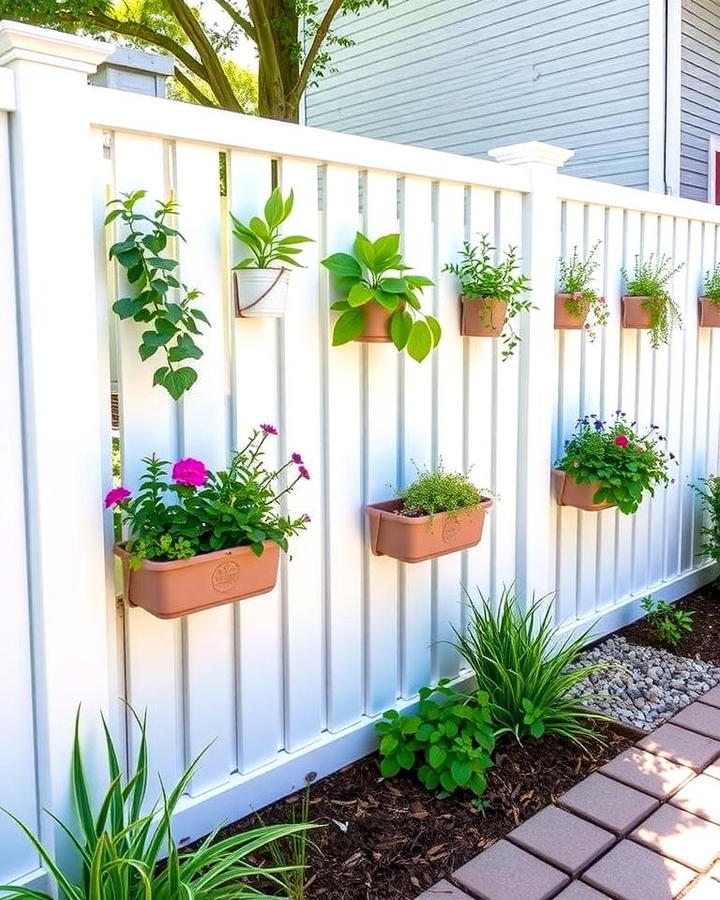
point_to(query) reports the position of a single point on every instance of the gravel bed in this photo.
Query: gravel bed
(643, 686)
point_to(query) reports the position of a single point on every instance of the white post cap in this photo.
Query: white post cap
(19, 41)
(532, 152)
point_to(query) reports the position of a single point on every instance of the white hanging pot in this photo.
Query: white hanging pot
(261, 292)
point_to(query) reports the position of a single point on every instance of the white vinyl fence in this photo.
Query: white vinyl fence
(288, 683)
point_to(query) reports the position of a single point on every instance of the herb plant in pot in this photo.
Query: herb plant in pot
(490, 293)
(647, 302)
(611, 463)
(709, 303)
(440, 512)
(380, 302)
(578, 305)
(199, 538)
(260, 285)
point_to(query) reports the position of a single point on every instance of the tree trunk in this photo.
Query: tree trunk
(278, 77)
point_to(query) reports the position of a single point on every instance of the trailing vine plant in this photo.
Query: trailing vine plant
(574, 277)
(158, 298)
(649, 280)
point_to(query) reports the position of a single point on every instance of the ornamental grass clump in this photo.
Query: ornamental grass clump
(125, 850)
(574, 277)
(623, 460)
(192, 510)
(649, 280)
(436, 491)
(522, 665)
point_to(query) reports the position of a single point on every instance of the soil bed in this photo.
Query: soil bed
(703, 642)
(391, 839)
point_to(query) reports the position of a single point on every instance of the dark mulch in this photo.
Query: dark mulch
(390, 839)
(703, 642)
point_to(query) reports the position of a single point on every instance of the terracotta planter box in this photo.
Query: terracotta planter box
(569, 493)
(634, 314)
(563, 319)
(172, 589)
(413, 539)
(482, 316)
(709, 313)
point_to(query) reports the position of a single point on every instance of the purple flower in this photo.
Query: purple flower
(672, 456)
(599, 425)
(304, 473)
(297, 459)
(306, 518)
(116, 495)
(190, 471)
(269, 429)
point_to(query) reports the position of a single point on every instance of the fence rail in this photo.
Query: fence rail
(288, 683)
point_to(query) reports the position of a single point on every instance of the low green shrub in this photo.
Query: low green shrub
(521, 663)
(435, 490)
(669, 623)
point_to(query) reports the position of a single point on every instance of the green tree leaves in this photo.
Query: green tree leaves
(161, 300)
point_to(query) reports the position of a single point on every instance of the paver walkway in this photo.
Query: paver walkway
(646, 826)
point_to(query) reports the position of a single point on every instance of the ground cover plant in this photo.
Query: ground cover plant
(669, 622)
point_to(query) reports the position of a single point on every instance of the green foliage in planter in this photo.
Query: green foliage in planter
(480, 277)
(367, 276)
(712, 286)
(708, 489)
(120, 843)
(448, 742)
(435, 491)
(649, 279)
(574, 277)
(159, 298)
(669, 623)
(519, 660)
(262, 236)
(625, 461)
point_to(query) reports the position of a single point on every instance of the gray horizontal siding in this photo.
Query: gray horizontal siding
(700, 97)
(469, 75)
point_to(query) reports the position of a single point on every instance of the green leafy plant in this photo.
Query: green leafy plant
(574, 277)
(435, 490)
(119, 844)
(159, 298)
(712, 286)
(202, 511)
(376, 274)
(262, 236)
(448, 742)
(290, 855)
(519, 660)
(480, 277)
(669, 623)
(624, 460)
(649, 280)
(708, 489)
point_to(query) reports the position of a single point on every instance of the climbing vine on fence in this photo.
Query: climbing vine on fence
(158, 298)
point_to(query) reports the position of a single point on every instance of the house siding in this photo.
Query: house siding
(469, 75)
(700, 93)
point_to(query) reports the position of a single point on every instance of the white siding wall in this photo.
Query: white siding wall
(700, 118)
(468, 75)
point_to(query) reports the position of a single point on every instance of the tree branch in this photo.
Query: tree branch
(192, 88)
(238, 19)
(312, 53)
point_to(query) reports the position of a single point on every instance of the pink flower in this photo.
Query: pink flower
(603, 300)
(304, 473)
(268, 429)
(116, 495)
(297, 459)
(577, 295)
(190, 471)
(621, 440)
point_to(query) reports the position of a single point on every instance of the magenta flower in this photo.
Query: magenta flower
(268, 429)
(304, 473)
(577, 295)
(190, 471)
(116, 495)
(621, 440)
(297, 459)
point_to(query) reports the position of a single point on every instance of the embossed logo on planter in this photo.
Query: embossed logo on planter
(450, 530)
(225, 576)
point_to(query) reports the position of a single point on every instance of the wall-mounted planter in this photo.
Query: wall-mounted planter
(261, 292)
(569, 493)
(413, 539)
(709, 313)
(565, 320)
(482, 316)
(172, 589)
(634, 313)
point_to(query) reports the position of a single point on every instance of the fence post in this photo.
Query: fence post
(538, 385)
(62, 383)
